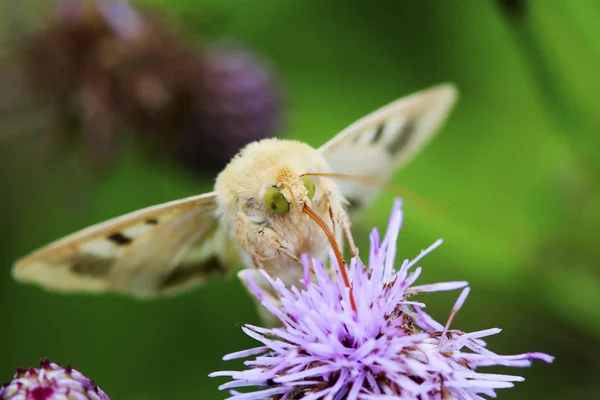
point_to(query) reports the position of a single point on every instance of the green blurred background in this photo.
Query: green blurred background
(516, 169)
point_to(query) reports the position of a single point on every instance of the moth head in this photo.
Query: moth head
(289, 192)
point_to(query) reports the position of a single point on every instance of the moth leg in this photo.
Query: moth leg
(259, 259)
(345, 224)
(246, 234)
(350, 239)
(254, 238)
(340, 217)
(271, 238)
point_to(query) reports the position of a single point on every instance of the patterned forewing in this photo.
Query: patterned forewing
(386, 140)
(140, 253)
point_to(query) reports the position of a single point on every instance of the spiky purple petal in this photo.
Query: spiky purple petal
(387, 348)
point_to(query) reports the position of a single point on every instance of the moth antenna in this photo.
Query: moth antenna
(389, 186)
(336, 250)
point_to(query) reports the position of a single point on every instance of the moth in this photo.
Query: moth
(273, 202)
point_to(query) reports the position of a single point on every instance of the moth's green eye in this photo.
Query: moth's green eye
(276, 202)
(310, 186)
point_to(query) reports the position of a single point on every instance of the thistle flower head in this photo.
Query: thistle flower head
(51, 382)
(238, 100)
(387, 348)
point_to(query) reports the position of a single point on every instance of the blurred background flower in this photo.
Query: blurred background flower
(517, 172)
(50, 382)
(101, 68)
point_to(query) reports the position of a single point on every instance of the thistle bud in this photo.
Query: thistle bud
(51, 382)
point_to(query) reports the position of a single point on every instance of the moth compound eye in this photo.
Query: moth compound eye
(310, 186)
(276, 202)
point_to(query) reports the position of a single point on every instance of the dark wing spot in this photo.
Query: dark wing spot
(402, 137)
(120, 239)
(152, 221)
(378, 134)
(87, 264)
(185, 272)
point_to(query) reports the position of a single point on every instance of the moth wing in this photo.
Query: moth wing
(154, 251)
(384, 141)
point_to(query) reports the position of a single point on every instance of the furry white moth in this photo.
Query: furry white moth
(256, 215)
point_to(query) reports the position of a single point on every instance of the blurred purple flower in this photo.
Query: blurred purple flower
(237, 100)
(388, 348)
(103, 69)
(51, 382)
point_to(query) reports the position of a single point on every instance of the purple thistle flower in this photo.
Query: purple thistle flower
(387, 348)
(51, 382)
